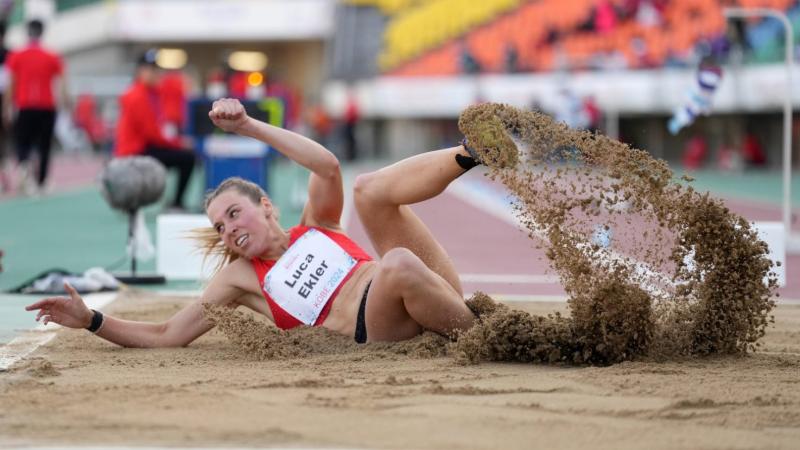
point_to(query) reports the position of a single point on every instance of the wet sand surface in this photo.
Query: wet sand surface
(79, 390)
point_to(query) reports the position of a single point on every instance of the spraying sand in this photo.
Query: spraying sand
(687, 281)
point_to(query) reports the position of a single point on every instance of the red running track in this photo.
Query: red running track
(494, 256)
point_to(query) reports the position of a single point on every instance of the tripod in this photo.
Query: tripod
(133, 277)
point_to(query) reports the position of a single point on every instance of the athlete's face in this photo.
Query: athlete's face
(242, 225)
(148, 75)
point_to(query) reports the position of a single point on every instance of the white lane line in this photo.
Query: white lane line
(24, 345)
(522, 298)
(180, 293)
(525, 298)
(508, 278)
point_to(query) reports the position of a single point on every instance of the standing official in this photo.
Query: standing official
(140, 129)
(33, 71)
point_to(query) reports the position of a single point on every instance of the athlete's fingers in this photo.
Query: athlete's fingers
(43, 303)
(238, 108)
(221, 113)
(217, 108)
(229, 110)
(73, 294)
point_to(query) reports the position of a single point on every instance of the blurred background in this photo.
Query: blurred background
(404, 69)
(378, 80)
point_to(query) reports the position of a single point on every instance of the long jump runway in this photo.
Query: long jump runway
(474, 222)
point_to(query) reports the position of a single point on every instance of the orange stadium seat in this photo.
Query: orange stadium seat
(526, 25)
(427, 25)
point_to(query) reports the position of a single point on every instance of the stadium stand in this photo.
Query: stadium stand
(429, 38)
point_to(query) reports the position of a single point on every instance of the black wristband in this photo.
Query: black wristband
(97, 321)
(472, 153)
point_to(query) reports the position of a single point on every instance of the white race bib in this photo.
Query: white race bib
(305, 277)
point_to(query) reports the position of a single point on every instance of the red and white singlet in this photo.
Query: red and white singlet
(301, 285)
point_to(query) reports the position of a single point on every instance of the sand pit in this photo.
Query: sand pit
(688, 360)
(79, 390)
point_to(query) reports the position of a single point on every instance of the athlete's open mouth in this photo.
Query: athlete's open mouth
(242, 240)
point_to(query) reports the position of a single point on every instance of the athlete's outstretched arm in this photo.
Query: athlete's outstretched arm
(179, 330)
(325, 191)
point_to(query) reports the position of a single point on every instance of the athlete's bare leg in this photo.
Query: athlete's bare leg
(417, 286)
(381, 199)
(406, 297)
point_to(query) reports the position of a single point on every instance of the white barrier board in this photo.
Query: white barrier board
(774, 235)
(177, 254)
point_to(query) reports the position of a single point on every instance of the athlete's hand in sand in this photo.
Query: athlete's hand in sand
(228, 114)
(69, 311)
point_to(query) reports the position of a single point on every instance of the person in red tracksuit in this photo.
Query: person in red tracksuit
(32, 71)
(172, 88)
(140, 127)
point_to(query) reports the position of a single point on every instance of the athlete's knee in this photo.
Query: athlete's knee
(402, 266)
(365, 190)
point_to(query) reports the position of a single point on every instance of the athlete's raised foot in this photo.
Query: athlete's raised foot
(487, 139)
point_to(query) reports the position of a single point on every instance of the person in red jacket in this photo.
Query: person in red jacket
(173, 101)
(140, 127)
(32, 71)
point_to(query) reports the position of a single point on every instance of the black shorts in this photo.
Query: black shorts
(361, 321)
(34, 128)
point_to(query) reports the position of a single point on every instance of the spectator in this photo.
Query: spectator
(33, 71)
(469, 64)
(694, 153)
(237, 84)
(570, 110)
(641, 53)
(511, 58)
(215, 84)
(648, 14)
(351, 117)
(605, 18)
(140, 128)
(320, 123)
(172, 90)
(277, 88)
(728, 159)
(89, 121)
(752, 150)
(629, 9)
(593, 114)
